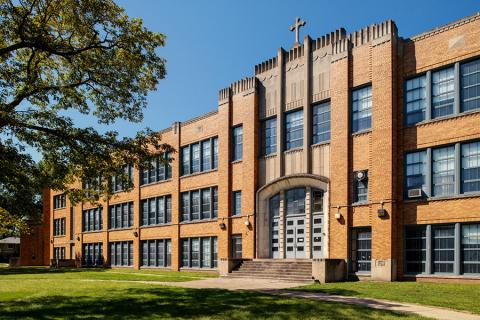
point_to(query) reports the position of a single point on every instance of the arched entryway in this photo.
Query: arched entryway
(292, 218)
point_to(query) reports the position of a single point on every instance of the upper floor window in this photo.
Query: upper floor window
(59, 201)
(294, 130)
(360, 190)
(361, 109)
(321, 122)
(295, 201)
(416, 166)
(121, 215)
(117, 183)
(415, 99)
(471, 167)
(443, 171)
(198, 157)
(237, 152)
(159, 170)
(59, 227)
(237, 203)
(443, 92)
(269, 136)
(156, 211)
(92, 219)
(274, 205)
(470, 84)
(199, 204)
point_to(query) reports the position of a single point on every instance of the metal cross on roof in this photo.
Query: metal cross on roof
(296, 27)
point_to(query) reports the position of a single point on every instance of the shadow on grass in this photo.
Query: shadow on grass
(165, 302)
(44, 270)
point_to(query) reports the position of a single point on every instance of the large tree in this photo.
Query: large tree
(59, 57)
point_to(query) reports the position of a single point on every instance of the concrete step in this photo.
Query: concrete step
(285, 270)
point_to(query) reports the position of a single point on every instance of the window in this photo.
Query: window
(121, 215)
(121, 253)
(159, 170)
(92, 254)
(59, 253)
(471, 248)
(237, 246)
(295, 201)
(269, 136)
(361, 249)
(155, 253)
(59, 201)
(92, 219)
(415, 249)
(416, 166)
(317, 201)
(237, 152)
(443, 171)
(237, 203)
(415, 99)
(443, 92)
(195, 158)
(360, 190)
(117, 183)
(155, 211)
(470, 85)
(274, 205)
(59, 227)
(198, 204)
(198, 157)
(199, 252)
(294, 130)
(321, 122)
(443, 248)
(471, 167)
(361, 109)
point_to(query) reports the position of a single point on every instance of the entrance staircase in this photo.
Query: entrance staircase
(284, 270)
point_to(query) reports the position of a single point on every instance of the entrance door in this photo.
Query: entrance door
(295, 237)
(317, 224)
(274, 227)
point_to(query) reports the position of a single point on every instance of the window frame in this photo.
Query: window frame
(356, 129)
(316, 125)
(271, 149)
(237, 143)
(288, 142)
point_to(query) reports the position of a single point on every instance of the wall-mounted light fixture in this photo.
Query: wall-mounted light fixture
(247, 221)
(338, 215)
(381, 211)
(222, 224)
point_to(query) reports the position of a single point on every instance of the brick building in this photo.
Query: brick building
(358, 153)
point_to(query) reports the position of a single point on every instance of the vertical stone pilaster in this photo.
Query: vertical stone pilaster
(280, 159)
(177, 131)
(307, 110)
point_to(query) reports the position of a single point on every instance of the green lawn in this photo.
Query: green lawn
(39, 294)
(462, 297)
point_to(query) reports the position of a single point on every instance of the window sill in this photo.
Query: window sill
(198, 269)
(156, 225)
(443, 198)
(169, 268)
(199, 221)
(198, 173)
(440, 119)
(319, 144)
(361, 132)
(156, 182)
(121, 267)
(94, 231)
(120, 229)
(360, 204)
(237, 161)
(59, 236)
(57, 209)
(442, 276)
(293, 150)
(268, 156)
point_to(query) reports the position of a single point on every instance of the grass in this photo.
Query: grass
(463, 297)
(37, 294)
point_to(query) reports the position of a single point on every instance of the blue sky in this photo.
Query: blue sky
(212, 43)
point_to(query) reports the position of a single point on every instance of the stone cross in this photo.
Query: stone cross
(296, 27)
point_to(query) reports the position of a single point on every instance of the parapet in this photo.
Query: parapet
(241, 86)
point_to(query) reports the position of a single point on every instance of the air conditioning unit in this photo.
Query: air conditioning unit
(415, 193)
(361, 175)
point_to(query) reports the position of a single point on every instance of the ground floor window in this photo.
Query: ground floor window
(361, 254)
(156, 253)
(59, 253)
(450, 249)
(92, 254)
(121, 253)
(199, 252)
(237, 246)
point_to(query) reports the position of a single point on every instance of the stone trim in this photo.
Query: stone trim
(446, 27)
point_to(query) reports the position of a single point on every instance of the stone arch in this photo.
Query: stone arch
(272, 188)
